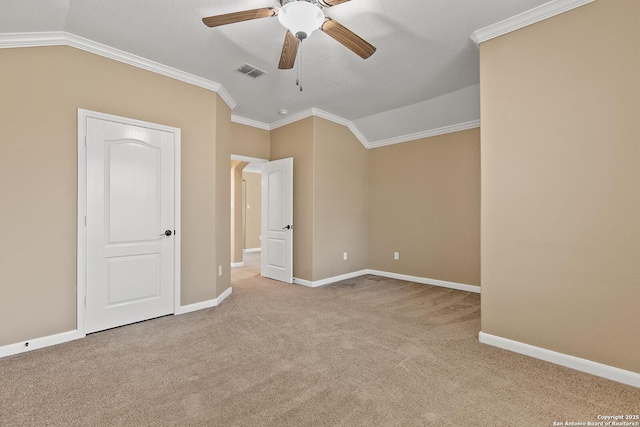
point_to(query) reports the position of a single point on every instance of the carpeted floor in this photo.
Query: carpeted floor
(363, 352)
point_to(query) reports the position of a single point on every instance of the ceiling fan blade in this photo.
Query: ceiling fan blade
(289, 51)
(329, 3)
(245, 15)
(348, 38)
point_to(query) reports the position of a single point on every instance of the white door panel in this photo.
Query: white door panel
(132, 279)
(277, 220)
(133, 191)
(130, 204)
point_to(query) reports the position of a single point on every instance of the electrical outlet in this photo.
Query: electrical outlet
(396, 255)
(219, 270)
(344, 256)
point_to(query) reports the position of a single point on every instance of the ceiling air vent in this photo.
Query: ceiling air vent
(251, 71)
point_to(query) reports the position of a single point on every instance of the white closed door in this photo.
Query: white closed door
(129, 224)
(277, 220)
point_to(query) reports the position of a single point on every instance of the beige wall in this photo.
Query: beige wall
(340, 189)
(252, 214)
(560, 194)
(42, 88)
(420, 198)
(424, 202)
(330, 169)
(296, 140)
(223, 195)
(249, 141)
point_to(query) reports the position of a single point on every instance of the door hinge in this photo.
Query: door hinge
(85, 140)
(85, 220)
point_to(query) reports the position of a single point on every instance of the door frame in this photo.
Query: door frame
(81, 266)
(256, 160)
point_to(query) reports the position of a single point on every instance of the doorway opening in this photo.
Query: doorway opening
(276, 216)
(246, 199)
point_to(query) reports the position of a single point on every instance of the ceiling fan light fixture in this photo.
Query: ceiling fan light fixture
(301, 18)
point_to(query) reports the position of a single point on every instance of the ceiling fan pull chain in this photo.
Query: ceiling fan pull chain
(300, 65)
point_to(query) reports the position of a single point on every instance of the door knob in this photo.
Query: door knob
(288, 227)
(166, 233)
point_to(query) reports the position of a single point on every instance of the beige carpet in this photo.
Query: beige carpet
(363, 352)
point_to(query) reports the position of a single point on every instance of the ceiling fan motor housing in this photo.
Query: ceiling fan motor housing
(301, 17)
(318, 3)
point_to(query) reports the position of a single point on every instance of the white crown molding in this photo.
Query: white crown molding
(426, 134)
(331, 117)
(291, 119)
(342, 121)
(584, 365)
(315, 112)
(250, 122)
(323, 115)
(61, 38)
(359, 135)
(15, 40)
(537, 14)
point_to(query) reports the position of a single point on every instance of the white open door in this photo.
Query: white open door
(130, 223)
(277, 220)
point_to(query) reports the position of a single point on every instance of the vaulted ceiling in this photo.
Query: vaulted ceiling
(424, 74)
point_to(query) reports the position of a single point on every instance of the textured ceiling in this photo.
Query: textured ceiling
(423, 53)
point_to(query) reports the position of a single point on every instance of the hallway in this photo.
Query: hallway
(251, 267)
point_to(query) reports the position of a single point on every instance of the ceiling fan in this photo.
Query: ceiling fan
(300, 18)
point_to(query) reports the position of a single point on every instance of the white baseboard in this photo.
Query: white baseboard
(237, 264)
(427, 281)
(421, 280)
(223, 296)
(184, 309)
(329, 280)
(34, 344)
(204, 304)
(584, 365)
(303, 282)
(246, 251)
